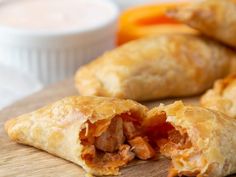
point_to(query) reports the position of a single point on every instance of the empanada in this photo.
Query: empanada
(93, 132)
(222, 97)
(214, 18)
(201, 142)
(156, 67)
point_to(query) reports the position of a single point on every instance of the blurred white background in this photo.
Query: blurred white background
(15, 85)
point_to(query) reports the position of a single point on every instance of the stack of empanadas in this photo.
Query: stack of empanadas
(103, 134)
(216, 19)
(168, 65)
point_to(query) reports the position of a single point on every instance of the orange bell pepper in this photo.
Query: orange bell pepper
(148, 20)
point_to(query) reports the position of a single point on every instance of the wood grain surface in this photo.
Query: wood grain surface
(23, 161)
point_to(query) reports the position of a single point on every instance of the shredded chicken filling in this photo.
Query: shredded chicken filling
(114, 143)
(179, 148)
(173, 147)
(171, 143)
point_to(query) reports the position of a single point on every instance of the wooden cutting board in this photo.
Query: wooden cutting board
(23, 161)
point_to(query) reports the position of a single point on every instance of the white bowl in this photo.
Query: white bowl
(55, 55)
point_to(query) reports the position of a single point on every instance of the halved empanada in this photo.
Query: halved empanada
(201, 142)
(156, 67)
(214, 18)
(94, 132)
(222, 97)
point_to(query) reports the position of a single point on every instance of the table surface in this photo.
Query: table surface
(19, 161)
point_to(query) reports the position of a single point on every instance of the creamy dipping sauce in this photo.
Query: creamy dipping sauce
(55, 14)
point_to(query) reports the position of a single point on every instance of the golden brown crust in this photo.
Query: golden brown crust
(213, 139)
(222, 97)
(56, 128)
(214, 18)
(156, 67)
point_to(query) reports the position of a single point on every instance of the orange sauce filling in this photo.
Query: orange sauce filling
(112, 144)
(167, 139)
(164, 136)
